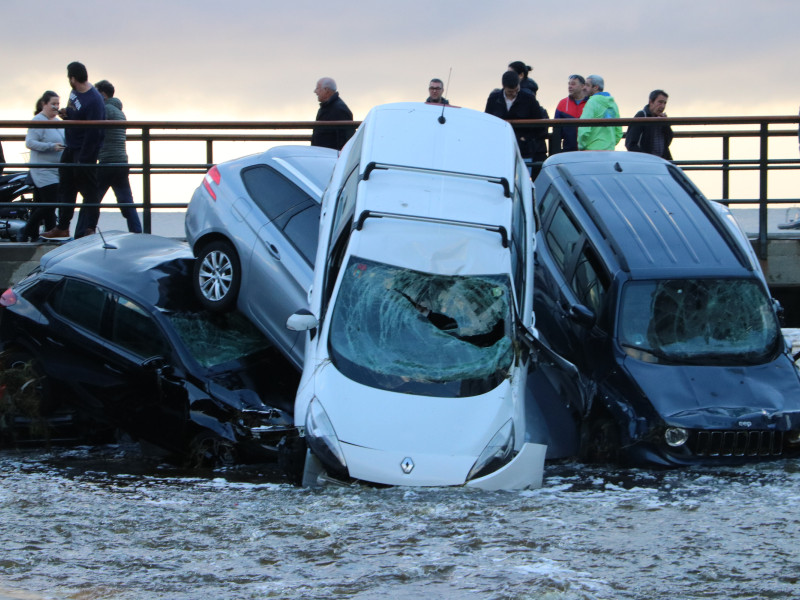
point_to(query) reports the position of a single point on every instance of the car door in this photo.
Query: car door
(281, 265)
(72, 347)
(149, 400)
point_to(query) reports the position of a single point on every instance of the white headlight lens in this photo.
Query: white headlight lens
(497, 452)
(321, 437)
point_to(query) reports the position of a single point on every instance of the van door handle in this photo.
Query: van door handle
(274, 251)
(55, 342)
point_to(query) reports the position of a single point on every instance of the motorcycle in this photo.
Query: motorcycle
(14, 187)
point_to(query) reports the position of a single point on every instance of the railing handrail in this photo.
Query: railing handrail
(146, 133)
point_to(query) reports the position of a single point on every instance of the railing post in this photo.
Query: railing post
(726, 169)
(146, 200)
(762, 192)
(209, 152)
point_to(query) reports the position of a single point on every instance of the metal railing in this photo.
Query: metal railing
(150, 133)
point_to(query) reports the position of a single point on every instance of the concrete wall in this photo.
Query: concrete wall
(17, 260)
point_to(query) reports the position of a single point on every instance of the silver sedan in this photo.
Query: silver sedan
(253, 225)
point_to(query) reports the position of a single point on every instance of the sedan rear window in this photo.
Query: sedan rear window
(271, 191)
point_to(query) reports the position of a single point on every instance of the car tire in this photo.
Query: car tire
(210, 451)
(217, 276)
(601, 441)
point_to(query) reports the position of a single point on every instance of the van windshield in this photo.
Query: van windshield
(418, 333)
(699, 321)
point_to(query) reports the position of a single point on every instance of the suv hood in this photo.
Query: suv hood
(720, 396)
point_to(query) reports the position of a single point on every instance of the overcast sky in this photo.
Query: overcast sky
(260, 59)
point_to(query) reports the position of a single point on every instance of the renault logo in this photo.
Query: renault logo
(407, 465)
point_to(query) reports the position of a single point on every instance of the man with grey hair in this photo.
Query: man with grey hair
(331, 108)
(600, 105)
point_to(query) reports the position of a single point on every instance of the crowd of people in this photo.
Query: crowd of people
(516, 100)
(72, 152)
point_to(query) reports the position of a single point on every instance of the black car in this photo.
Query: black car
(656, 295)
(115, 332)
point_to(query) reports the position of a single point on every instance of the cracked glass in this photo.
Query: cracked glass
(412, 332)
(699, 321)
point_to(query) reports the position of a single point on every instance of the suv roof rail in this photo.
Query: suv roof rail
(490, 178)
(368, 214)
(712, 215)
(599, 223)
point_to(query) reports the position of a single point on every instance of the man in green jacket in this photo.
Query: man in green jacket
(600, 105)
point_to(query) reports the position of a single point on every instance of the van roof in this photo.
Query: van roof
(652, 215)
(414, 165)
(455, 139)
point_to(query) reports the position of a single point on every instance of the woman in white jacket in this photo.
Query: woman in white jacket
(46, 145)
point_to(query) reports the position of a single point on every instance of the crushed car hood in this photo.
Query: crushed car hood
(719, 396)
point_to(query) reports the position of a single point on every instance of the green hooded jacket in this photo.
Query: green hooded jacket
(599, 106)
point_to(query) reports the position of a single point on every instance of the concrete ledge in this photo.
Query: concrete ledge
(19, 259)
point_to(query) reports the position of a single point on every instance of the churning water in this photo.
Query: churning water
(92, 523)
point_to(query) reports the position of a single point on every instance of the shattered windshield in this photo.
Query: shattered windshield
(699, 321)
(214, 339)
(414, 332)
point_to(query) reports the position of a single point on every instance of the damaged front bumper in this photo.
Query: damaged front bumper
(524, 471)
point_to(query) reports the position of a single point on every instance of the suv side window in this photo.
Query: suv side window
(271, 191)
(562, 237)
(590, 281)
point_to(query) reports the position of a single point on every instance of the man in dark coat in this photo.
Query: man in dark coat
(652, 139)
(508, 103)
(331, 108)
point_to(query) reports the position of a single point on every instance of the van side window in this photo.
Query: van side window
(562, 237)
(519, 245)
(345, 205)
(590, 281)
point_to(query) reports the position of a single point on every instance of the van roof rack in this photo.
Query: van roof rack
(490, 178)
(369, 214)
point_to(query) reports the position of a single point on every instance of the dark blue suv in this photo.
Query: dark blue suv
(655, 294)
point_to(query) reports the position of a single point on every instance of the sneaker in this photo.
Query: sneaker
(56, 234)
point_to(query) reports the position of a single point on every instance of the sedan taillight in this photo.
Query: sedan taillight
(9, 298)
(212, 177)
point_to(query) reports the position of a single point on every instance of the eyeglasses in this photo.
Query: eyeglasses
(432, 88)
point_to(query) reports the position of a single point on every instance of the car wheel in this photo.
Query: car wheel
(217, 276)
(600, 441)
(210, 451)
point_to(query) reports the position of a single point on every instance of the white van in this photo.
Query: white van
(421, 307)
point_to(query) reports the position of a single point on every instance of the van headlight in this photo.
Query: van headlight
(497, 453)
(321, 437)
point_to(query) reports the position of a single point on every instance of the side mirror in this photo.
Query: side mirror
(302, 320)
(581, 315)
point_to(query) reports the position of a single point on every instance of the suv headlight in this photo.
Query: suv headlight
(497, 453)
(321, 437)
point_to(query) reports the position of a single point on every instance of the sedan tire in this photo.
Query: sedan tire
(217, 276)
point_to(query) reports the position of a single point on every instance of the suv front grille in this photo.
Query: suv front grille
(736, 443)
